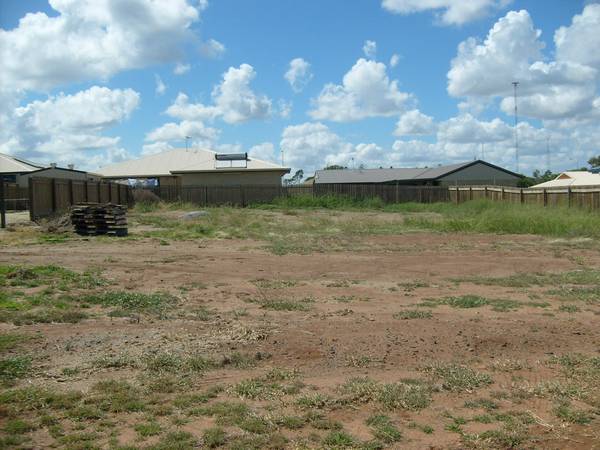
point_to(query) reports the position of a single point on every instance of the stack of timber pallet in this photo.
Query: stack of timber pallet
(99, 218)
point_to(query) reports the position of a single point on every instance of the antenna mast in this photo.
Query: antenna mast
(515, 85)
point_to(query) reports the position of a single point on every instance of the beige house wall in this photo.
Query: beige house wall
(232, 178)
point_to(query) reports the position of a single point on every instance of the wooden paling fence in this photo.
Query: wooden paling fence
(247, 195)
(49, 196)
(587, 197)
(16, 198)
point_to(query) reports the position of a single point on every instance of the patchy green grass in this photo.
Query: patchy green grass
(11, 341)
(274, 284)
(485, 216)
(48, 275)
(13, 368)
(458, 378)
(383, 429)
(214, 437)
(408, 394)
(589, 295)
(472, 301)
(156, 303)
(413, 314)
(574, 277)
(148, 429)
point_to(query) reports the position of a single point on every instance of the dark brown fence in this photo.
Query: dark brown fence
(16, 198)
(246, 195)
(581, 196)
(48, 196)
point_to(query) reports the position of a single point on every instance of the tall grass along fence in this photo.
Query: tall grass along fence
(248, 195)
(49, 196)
(581, 196)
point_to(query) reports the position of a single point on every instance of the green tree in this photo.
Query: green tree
(594, 161)
(296, 178)
(334, 167)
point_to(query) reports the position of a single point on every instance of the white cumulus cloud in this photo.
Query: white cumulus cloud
(366, 91)
(56, 130)
(161, 87)
(299, 74)
(448, 12)
(414, 122)
(370, 49)
(92, 39)
(212, 49)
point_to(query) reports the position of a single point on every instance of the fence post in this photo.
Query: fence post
(2, 204)
(502, 194)
(53, 191)
(85, 189)
(457, 195)
(485, 192)
(31, 202)
(569, 196)
(545, 197)
(71, 193)
(99, 191)
(522, 199)
(243, 196)
(470, 192)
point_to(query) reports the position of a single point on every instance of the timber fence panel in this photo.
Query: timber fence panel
(104, 192)
(79, 191)
(48, 196)
(583, 197)
(92, 192)
(16, 198)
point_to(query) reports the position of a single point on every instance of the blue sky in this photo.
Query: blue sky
(70, 98)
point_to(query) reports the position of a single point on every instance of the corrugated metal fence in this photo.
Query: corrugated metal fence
(48, 196)
(581, 196)
(246, 195)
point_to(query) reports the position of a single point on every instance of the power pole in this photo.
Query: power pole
(515, 85)
(548, 153)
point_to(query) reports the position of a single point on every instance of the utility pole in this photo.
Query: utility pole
(515, 85)
(548, 153)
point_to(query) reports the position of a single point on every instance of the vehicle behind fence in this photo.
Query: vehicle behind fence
(247, 195)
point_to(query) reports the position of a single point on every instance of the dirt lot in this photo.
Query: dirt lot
(396, 340)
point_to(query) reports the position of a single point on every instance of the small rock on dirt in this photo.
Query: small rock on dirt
(194, 214)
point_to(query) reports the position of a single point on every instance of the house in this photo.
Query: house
(197, 167)
(572, 179)
(18, 171)
(12, 168)
(468, 173)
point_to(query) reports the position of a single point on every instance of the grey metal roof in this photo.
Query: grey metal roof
(385, 175)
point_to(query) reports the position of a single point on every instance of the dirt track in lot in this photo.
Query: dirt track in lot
(349, 330)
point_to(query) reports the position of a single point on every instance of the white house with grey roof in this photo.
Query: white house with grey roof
(468, 173)
(197, 167)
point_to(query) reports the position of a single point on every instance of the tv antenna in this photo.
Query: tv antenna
(515, 86)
